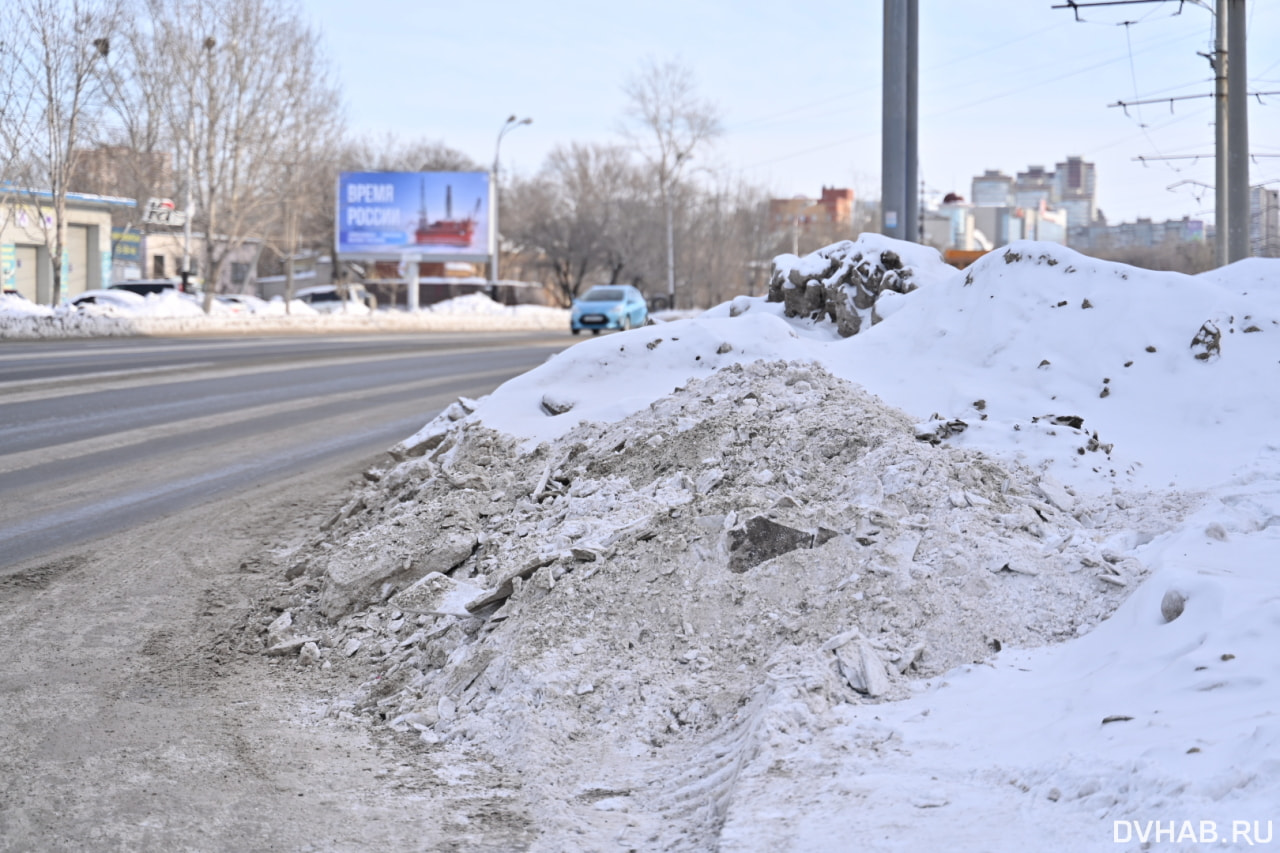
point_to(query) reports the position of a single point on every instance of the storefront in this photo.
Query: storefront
(26, 233)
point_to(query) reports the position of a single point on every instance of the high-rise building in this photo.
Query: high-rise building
(1038, 194)
(1264, 222)
(1034, 186)
(992, 189)
(1076, 185)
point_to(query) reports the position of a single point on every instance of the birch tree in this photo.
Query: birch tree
(668, 122)
(248, 100)
(53, 53)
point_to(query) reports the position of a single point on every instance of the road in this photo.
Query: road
(150, 494)
(101, 436)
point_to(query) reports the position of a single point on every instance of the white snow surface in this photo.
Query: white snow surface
(172, 313)
(1020, 634)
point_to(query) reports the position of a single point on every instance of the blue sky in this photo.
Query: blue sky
(1004, 84)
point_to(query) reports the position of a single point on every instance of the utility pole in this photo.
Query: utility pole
(1220, 136)
(1237, 133)
(1231, 122)
(899, 142)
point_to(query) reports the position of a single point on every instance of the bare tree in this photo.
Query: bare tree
(1185, 256)
(246, 98)
(571, 215)
(53, 53)
(669, 123)
(16, 99)
(393, 153)
(727, 242)
(139, 148)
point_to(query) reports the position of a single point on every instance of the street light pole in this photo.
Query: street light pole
(665, 181)
(209, 44)
(509, 125)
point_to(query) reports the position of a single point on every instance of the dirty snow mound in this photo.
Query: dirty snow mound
(626, 615)
(854, 284)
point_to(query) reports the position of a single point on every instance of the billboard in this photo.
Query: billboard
(428, 215)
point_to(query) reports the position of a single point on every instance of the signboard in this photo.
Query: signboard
(8, 265)
(160, 211)
(437, 215)
(126, 245)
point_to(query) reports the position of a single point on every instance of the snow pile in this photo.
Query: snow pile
(271, 307)
(657, 586)
(16, 306)
(479, 303)
(1142, 724)
(168, 314)
(854, 284)
(584, 382)
(1169, 370)
(698, 590)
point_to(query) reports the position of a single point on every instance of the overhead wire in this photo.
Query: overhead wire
(864, 89)
(966, 106)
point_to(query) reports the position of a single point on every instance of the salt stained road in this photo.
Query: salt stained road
(98, 437)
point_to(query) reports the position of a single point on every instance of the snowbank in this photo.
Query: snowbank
(171, 314)
(995, 572)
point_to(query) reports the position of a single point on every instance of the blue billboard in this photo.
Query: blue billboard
(443, 215)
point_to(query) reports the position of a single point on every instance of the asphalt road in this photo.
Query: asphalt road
(98, 437)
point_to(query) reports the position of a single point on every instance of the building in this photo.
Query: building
(1264, 222)
(1076, 189)
(993, 189)
(953, 225)
(1034, 187)
(833, 209)
(1036, 204)
(26, 223)
(161, 256)
(118, 170)
(1144, 233)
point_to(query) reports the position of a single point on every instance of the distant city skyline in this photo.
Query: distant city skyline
(1004, 84)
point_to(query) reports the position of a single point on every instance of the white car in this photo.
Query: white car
(242, 303)
(326, 299)
(121, 299)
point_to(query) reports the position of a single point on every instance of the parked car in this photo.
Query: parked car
(112, 298)
(610, 306)
(242, 303)
(145, 286)
(326, 298)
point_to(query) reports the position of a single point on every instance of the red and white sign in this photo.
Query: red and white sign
(160, 211)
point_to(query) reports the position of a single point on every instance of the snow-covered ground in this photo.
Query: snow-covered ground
(175, 314)
(998, 572)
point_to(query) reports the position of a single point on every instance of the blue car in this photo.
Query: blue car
(609, 306)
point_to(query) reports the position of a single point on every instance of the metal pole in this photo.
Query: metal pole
(411, 296)
(893, 121)
(1238, 135)
(510, 124)
(186, 226)
(899, 163)
(910, 229)
(671, 251)
(1221, 180)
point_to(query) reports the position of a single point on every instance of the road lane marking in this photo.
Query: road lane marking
(117, 441)
(12, 393)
